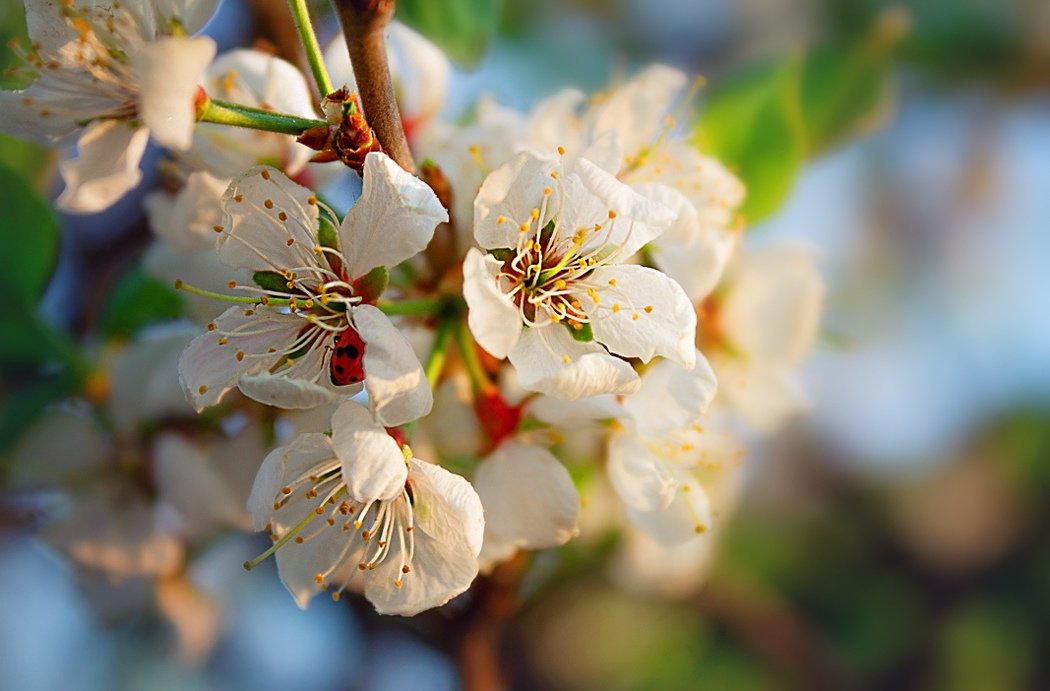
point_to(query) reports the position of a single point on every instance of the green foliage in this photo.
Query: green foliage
(29, 235)
(462, 28)
(137, 301)
(765, 122)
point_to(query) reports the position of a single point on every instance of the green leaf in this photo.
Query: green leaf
(29, 235)
(462, 28)
(28, 160)
(137, 301)
(754, 126)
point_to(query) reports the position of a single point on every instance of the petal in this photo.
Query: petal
(23, 114)
(144, 381)
(284, 392)
(188, 222)
(373, 465)
(765, 395)
(209, 368)
(593, 195)
(637, 110)
(693, 254)
(772, 310)
(187, 479)
(510, 193)
(549, 360)
(671, 398)
(47, 27)
(169, 71)
(106, 167)
(638, 475)
(686, 518)
(255, 235)
(192, 15)
(279, 469)
(449, 529)
(393, 220)
(299, 565)
(398, 390)
(194, 614)
(493, 319)
(529, 498)
(63, 444)
(644, 315)
(420, 71)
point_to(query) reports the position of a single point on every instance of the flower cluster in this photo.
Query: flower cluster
(562, 304)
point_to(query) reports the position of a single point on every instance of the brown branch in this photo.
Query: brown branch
(364, 22)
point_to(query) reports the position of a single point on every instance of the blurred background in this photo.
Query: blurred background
(893, 538)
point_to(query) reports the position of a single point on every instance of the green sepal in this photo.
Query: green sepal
(270, 280)
(583, 334)
(502, 253)
(370, 286)
(326, 233)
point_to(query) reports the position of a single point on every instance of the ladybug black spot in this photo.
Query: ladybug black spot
(339, 369)
(354, 380)
(352, 351)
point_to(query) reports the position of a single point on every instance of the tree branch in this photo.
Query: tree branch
(363, 23)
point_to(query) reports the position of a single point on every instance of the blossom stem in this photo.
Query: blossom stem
(252, 563)
(235, 115)
(364, 22)
(238, 299)
(301, 17)
(411, 307)
(435, 361)
(478, 377)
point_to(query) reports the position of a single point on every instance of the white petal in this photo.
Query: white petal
(493, 319)
(645, 315)
(765, 395)
(549, 360)
(554, 121)
(144, 381)
(687, 518)
(62, 444)
(594, 193)
(636, 111)
(188, 221)
(169, 71)
(671, 398)
(23, 114)
(398, 390)
(281, 467)
(638, 475)
(393, 220)
(255, 236)
(449, 529)
(693, 254)
(510, 192)
(421, 74)
(373, 465)
(47, 27)
(208, 369)
(772, 311)
(325, 553)
(187, 479)
(529, 498)
(191, 14)
(282, 392)
(106, 167)
(194, 614)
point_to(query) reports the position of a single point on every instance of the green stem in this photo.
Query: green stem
(301, 17)
(404, 308)
(251, 564)
(225, 113)
(478, 377)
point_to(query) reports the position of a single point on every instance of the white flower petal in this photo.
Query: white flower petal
(187, 479)
(187, 222)
(106, 167)
(393, 220)
(637, 110)
(529, 498)
(690, 252)
(279, 469)
(373, 465)
(287, 393)
(143, 378)
(549, 360)
(169, 71)
(47, 27)
(687, 518)
(449, 529)
(510, 193)
(194, 614)
(492, 316)
(644, 315)
(398, 390)
(671, 398)
(772, 310)
(256, 236)
(63, 444)
(209, 368)
(329, 553)
(638, 476)
(23, 114)
(765, 395)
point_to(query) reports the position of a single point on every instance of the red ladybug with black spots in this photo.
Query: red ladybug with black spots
(347, 363)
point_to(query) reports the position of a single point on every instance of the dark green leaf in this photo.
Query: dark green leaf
(29, 234)
(137, 301)
(462, 28)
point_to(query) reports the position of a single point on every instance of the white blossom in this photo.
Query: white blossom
(287, 351)
(357, 511)
(116, 73)
(559, 236)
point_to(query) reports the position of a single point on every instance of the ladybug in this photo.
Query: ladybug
(347, 363)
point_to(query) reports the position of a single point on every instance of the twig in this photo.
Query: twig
(363, 23)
